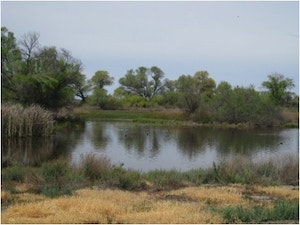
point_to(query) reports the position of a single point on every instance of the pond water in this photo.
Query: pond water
(147, 147)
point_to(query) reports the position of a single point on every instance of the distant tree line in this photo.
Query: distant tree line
(53, 78)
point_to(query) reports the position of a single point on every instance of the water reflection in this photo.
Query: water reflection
(27, 151)
(194, 141)
(98, 134)
(35, 151)
(139, 139)
(145, 147)
(246, 141)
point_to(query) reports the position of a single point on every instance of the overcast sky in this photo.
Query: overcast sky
(238, 42)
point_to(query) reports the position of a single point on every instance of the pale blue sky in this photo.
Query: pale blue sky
(238, 42)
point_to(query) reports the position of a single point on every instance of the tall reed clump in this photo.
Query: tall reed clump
(18, 121)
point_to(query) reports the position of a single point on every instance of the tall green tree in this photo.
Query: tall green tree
(102, 78)
(195, 90)
(99, 96)
(33, 74)
(10, 63)
(278, 85)
(52, 79)
(243, 104)
(144, 82)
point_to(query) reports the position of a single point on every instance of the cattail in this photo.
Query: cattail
(18, 121)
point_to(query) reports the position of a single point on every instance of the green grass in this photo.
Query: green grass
(143, 116)
(281, 210)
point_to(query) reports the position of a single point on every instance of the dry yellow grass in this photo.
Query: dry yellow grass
(221, 196)
(289, 192)
(186, 205)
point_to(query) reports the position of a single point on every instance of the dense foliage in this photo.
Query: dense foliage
(52, 78)
(38, 75)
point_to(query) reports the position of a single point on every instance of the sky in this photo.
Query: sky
(236, 41)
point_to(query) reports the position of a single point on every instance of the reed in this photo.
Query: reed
(18, 121)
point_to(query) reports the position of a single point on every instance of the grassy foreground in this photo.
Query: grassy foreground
(96, 191)
(203, 204)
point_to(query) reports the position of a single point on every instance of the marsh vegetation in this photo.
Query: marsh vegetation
(109, 193)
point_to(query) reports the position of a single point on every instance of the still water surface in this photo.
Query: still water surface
(146, 147)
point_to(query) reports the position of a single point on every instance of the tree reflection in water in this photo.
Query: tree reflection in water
(144, 146)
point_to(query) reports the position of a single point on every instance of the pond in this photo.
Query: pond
(145, 147)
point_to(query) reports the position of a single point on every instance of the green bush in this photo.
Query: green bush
(127, 179)
(95, 168)
(53, 171)
(56, 179)
(14, 173)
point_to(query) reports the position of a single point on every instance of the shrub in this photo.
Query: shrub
(52, 171)
(95, 168)
(14, 173)
(127, 179)
(56, 180)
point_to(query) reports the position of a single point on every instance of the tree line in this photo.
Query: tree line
(53, 78)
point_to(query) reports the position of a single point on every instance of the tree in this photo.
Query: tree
(10, 63)
(241, 105)
(145, 82)
(277, 86)
(170, 94)
(195, 90)
(81, 86)
(29, 45)
(31, 74)
(101, 78)
(99, 97)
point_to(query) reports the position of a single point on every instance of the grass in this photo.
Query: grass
(18, 121)
(96, 191)
(281, 211)
(139, 115)
(203, 204)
